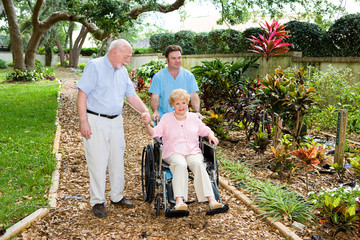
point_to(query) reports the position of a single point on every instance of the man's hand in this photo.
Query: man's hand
(145, 118)
(155, 115)
(85, 130)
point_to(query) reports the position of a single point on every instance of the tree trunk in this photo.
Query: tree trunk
(76, 49)
(15, 36)
(60, 49)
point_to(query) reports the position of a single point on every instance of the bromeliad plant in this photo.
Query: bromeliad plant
(270, 44)
(144, 74)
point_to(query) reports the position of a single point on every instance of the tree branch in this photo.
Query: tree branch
(135, 12)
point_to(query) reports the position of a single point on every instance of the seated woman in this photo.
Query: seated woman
(180, 131)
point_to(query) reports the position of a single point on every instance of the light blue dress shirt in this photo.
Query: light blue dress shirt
(105, 86)
(163, 83)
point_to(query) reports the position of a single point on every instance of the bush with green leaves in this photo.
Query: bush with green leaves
(185, 39)
(31, 76)
(143, 50)
(201, 42)
(224, 41)
(337, 207)
(344, 34)
(336, 89)
(160, 41)
(244, 43)
(143, 75)
(307, 38)
(3, 64)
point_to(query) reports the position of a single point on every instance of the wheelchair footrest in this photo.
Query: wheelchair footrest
(223, 209)
(176, 213)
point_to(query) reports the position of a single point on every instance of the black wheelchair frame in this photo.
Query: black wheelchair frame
(156, 178)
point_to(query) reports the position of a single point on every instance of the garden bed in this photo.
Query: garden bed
(237, 150)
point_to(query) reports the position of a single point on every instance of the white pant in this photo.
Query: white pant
(178, 166)
(105, 151)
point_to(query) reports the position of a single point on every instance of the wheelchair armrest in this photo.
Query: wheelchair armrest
(158, 140)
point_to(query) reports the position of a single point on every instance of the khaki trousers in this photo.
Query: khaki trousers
(178, 166)
(105, 151)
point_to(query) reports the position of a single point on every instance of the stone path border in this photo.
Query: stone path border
(18, 227)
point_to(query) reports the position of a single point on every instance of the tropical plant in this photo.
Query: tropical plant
(270, 44)
(336, 214)
(307, 159)
(340, 170)
(142, 75)
(215, 122)
(281, 161)
(260, 143)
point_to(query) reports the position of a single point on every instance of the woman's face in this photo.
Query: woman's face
(180, 106)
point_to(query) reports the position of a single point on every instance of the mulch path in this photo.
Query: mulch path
(73, 218)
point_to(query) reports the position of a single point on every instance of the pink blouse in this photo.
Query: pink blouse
(180, 136)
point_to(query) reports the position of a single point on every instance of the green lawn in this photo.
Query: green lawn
(27, 131)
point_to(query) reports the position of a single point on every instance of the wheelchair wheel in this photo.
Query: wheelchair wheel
(148, 174)
(158, 204)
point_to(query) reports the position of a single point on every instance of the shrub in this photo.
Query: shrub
(3, 64)
(244, 44)
(344, 34)
(143, 50)
(142, 75)
(201, 43)
(160, 41)
(81, 66)
(185, 39)
(38, 64)
(307, 38)
(224, 41)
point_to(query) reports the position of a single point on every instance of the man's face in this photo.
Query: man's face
(123, 56)
(174, 60)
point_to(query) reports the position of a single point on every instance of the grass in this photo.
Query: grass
(276, 201)
(27, 131)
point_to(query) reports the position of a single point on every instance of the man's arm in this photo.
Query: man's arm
(154, 102)
(195, 103)
(85, 128)
(139, 105)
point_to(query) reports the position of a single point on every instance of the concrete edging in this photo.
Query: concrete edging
(285, 231)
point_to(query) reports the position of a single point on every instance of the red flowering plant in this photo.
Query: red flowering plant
(270, 44)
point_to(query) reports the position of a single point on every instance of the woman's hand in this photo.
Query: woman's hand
(213, 139)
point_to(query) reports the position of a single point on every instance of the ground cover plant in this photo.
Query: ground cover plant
(27, 131)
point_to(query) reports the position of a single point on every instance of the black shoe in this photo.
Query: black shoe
(99, 210)
(124, 203)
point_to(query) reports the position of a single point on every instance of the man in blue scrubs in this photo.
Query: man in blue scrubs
(102, 88)
(170, 78)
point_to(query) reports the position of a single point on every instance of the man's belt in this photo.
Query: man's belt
(102, 115)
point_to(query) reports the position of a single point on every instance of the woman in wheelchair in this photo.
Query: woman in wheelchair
(180, 131)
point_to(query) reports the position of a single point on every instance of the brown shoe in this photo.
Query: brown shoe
(124, 203)
(99, 210)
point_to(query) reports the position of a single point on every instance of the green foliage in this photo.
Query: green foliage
(336, 89)
(185, 39)
(260, 143)
(344, 34)
(90, 51)
(355, 162)
(307, 38)
(337, 208)
(200, 43)
(215, 121)
(247, 33)
(30, 76)
(160, 41)
(81, 66)
(278, 202)
(224, 41)
(143, 75)
(143, 50)
(27, 131)
(284, 94)
(3, 64)
(281, 161)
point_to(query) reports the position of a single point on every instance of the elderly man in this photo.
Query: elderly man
(102, 88)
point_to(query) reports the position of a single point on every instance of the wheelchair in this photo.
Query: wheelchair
(156, 179)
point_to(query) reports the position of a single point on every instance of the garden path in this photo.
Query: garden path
(73, 218)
